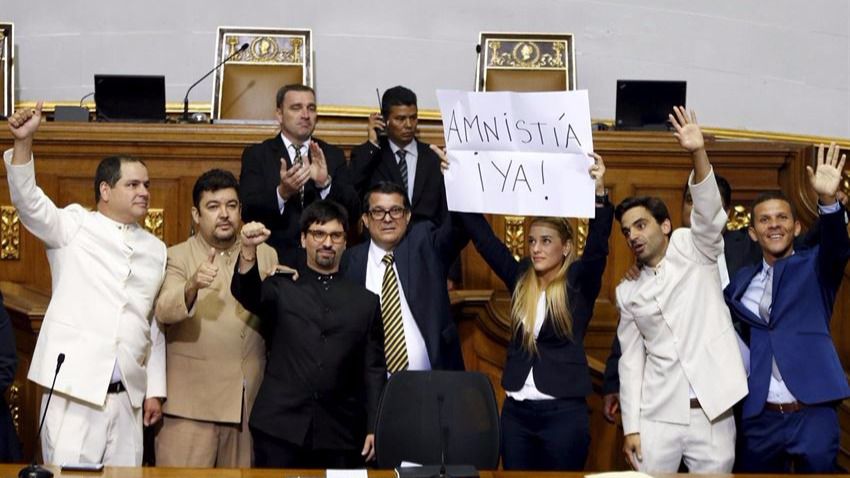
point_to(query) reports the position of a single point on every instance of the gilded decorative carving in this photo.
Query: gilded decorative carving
(15, 406)
(278, 49)
(845, 183)
(582, 228)
(155, 223)
(739, 218)
(515, 235)
(10, 234)
(527, 54)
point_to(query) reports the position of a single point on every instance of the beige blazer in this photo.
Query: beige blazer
(104, 277)
(215, 349)
(675, 329)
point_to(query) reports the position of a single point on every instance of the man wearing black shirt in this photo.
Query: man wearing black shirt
(325, 372)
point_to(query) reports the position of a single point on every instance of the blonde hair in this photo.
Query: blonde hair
(527, 293)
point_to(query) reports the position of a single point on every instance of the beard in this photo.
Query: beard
(326, 261)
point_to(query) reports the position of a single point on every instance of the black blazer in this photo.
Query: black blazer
(560, 365)
(10, 448)
(371, 165)
(325, 370)
(258, 182)
(423, 258)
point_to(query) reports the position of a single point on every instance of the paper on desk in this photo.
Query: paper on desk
(346, 473)
(619, 474)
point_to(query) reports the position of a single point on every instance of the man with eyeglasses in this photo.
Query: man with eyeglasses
(406, 265)
(325, 369)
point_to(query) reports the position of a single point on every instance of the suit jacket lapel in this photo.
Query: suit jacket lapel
(391, 163)
(403, 264)
(747, 274)
(422, 157)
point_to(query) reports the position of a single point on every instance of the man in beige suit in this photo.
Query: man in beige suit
(681, 369)
(214, 352)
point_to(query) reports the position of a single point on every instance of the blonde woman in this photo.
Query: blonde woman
(545, 422)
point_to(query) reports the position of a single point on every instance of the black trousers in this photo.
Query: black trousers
(273, 452)
(545, 434)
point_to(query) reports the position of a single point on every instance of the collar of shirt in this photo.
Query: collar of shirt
(120, 226)
(312, 275)
(376, 254)
(411, 149)
(305, 148)
(230, 253)
(762, 274)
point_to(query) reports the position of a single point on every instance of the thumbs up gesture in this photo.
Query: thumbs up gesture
(206, 272)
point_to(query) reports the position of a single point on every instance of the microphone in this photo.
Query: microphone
(186, 98)
(33, 470)
(444, 437)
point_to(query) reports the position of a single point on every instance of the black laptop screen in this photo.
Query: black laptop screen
(129, 98)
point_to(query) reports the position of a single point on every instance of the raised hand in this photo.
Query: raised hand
(24, 123)
(687, 130)
(253, 234)
(318, 166)
(444, 160)
(826, 179)
(292, 179)
(376, 122)
(597, 172)
(205, 275)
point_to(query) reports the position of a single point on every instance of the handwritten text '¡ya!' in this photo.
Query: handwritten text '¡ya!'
(504, 130)
(505, 176)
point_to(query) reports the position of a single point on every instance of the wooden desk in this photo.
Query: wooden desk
(10, 471)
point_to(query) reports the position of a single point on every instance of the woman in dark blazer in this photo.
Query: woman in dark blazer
(545, 422)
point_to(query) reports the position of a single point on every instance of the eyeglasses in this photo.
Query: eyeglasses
(395, 212)
(320, 236)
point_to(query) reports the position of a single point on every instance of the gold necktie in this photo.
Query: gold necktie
(395, 349)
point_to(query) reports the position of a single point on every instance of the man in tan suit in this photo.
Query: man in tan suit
(681, 369)
(214, 354)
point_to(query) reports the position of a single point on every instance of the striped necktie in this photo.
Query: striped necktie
(395, 348)
(402, 166)
(298, 160)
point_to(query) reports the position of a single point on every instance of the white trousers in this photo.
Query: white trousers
(706, 447)
(78, 432)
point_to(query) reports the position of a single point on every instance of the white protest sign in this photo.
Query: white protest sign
(518, 153)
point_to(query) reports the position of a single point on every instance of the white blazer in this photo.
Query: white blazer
(105, 277)
(675, 329)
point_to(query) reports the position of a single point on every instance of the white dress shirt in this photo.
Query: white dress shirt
(417, 354)
(411, 158)
(529, 390)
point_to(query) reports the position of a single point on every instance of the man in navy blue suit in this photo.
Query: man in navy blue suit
(406, 265)
(795, 377)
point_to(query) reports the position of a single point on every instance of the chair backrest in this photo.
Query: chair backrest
(525, 62)
(245, 87)
(423, 413)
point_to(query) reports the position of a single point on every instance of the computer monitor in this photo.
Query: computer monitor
(645, 104)
(130, 98)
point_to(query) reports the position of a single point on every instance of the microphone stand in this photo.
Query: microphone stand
(33, 470)
(186, 98)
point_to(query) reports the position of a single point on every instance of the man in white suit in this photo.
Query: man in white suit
(106, 271)
(681, 370)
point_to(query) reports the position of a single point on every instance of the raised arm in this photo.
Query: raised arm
(834, 242)
(54, 226)
(708, 217)
(585, 274)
